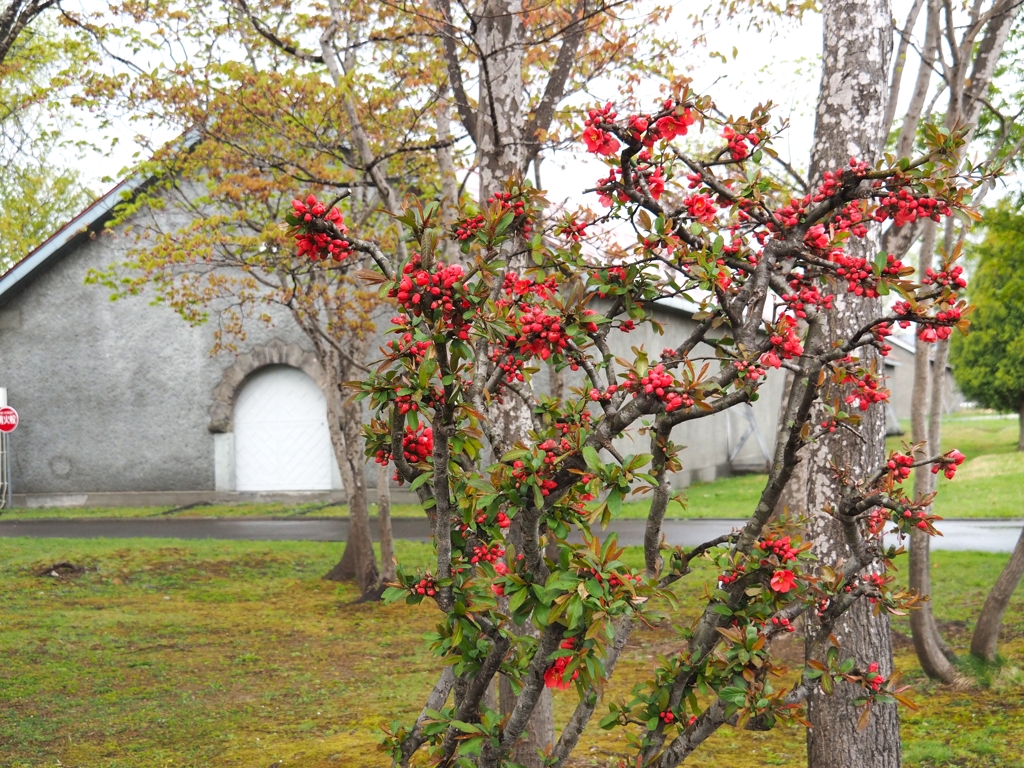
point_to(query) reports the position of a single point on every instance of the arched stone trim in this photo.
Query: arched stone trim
(277, 352)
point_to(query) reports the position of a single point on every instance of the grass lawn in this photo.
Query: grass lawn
(216, 653)
(990, 484)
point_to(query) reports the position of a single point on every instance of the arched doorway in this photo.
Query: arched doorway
(281, 438)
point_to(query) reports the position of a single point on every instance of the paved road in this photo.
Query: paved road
(977, 535)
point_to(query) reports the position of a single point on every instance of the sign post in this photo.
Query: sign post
(8, 423)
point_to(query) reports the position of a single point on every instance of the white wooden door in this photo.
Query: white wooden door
(281, 437)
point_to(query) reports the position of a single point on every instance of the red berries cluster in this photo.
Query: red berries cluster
(437, 293)
(728, 578)
(899, 466)
(554, 674)
(662, 385)
(572, 230)
(785, 343)
(521, 475)
(778, 546)
(906, 208)
(596, 395)
(540, 334)
(426, 586)
(466, 228)
(833, 179)
(932, 333)
(738, 148)
(700, 208)
(750, 371)
(868, 391)
(418, 444)
(910, 515)
(860, 275)
(319, 245)
(948, 464)
(406, 346)
(783, 623)
(484, 554)
(805, 295)
(950, 277)
(506, 201)
(667, 717)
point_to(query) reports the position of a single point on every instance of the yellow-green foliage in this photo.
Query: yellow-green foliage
(236, 654)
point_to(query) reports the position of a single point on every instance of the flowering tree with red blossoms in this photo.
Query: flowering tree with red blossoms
(763, 266)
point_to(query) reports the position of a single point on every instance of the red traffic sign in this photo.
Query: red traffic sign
(8, 419)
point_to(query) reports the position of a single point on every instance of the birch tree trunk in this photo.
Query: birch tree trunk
(985, 639)
(850, 123)
(358, 561)
(930, 649)
(501, 116)
(387, 543)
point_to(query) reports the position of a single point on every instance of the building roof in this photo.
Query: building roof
(84, 226)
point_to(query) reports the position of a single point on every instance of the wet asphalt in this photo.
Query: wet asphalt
(974, 535)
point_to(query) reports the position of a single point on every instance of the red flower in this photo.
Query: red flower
(783, 581)
(599, 141)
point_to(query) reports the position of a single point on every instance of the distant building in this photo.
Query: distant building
(121, 402)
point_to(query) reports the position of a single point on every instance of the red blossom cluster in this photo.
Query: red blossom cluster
(701, 208)
(468, 227)
(596, 395)
(899, 466)
(859, 273)
(948, 277)
(785, 343)
(738, 148)
(867, 391)
(319, 245)
(910, 515)
(434, 294)
(553, 677)
(728, 578)
(405, 345)
(598, 141)
(782, 581)
(904, 207)
(572, 229)
(874, 680)
(507, 201)
(779, 546)
(948, 463)
(750, 371)
(662, 385)
(804, 295)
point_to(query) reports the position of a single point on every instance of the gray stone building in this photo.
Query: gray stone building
(121, 402)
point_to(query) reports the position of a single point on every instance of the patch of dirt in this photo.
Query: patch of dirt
(62, 570)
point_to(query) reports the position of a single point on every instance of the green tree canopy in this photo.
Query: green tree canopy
(989, 363)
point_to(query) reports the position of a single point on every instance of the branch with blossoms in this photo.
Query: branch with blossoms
(517, 527)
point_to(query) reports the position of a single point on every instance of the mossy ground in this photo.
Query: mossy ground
(236, 654)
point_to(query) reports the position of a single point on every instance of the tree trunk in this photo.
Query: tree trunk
(850, 122)
(500, 117)
(1020, 427)
(387, 540)
(358, 561)
(986, 634)
(928, 644)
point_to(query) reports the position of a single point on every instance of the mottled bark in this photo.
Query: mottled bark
(928, 644)
(502, 104)
(387, 541)
(850, 123)
(985, 639)
(358, 561)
